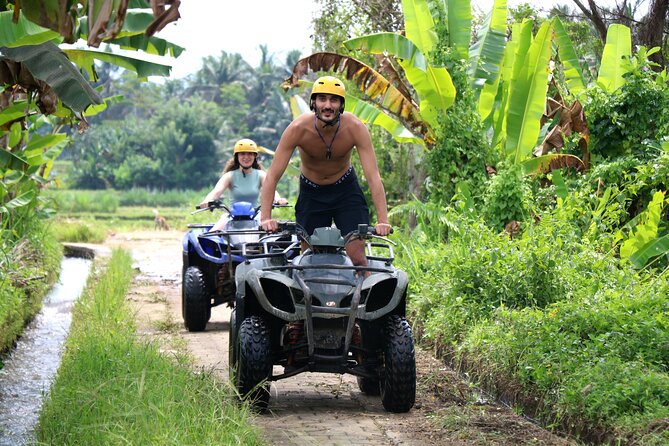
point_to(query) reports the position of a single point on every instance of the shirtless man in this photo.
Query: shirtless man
(329, 188)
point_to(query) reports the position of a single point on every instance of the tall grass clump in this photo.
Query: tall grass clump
(28, 268)
(70, 200)
(162, 198)
(113, 390)
(79, 231)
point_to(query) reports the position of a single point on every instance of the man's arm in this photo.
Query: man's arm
(281, 158)
(363, 143)
(277, 197)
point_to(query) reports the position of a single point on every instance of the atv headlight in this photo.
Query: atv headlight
(380, 294)
(278, 295)
(210, 247)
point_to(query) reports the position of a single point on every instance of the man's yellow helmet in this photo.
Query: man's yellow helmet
(246, 145)
(329, 85)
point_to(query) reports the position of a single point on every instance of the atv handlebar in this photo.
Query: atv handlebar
(364, 232)
(211, 205)
(218, 204)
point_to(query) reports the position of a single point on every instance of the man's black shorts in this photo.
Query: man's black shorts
(342, 202)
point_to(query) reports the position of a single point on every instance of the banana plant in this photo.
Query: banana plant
(394, 99)
(31, 62)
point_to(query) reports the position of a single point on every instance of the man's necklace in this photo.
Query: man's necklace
(328, 153)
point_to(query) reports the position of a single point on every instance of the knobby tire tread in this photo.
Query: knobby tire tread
(398, 385)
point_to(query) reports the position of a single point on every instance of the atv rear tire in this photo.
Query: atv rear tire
(398, 379)
(254, 363)
(195, 300)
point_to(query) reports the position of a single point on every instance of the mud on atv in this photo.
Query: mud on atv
(210, 259)
(318, 312)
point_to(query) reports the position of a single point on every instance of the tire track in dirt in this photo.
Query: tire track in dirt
(319, 408)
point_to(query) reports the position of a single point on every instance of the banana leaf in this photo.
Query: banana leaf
(135, 23)
(572, 67)
(369, 114)
(24, 32)
(86, 60)
(48, 63)
(618, 46)
(150, 45)
(51, 14)
(645, 232)
(550, 162)
(38, 146)
(527, 97)
(433, 85)
(419, 25)
(459, 26)
(485, 56)
(521, 37)
(13, 112)
(651, 249)
(299, 106)
(11, 161)
(23, 199)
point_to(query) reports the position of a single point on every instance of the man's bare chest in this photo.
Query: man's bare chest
(326, 145)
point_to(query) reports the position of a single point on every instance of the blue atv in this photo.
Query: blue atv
(210, 259)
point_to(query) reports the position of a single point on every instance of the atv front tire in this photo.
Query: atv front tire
(233, 345)
(369, 386)
(398, 379)
(254, 363)
(195, 300)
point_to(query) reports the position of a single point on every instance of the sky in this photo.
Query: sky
(207, 27)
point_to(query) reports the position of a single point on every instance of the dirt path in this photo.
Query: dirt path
(316, 408)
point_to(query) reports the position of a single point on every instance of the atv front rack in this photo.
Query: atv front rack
(273, 247)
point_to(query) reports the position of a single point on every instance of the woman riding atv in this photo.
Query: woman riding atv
(244, 176)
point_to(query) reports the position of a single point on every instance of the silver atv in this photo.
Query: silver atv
(317, 312)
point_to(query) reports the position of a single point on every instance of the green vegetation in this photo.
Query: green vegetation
(113, 389)
(27, 271)
(530, 185)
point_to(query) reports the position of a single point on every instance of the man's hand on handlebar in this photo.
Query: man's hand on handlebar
(383, 229)
(269, 225)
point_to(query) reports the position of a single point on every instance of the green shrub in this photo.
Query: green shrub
(619, 122)
(506, 198)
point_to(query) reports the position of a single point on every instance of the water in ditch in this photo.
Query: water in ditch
(29, 369)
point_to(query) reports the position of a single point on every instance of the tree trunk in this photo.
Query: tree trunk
(651, 29)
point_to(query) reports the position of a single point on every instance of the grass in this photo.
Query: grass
(112, 389)
(90, 216)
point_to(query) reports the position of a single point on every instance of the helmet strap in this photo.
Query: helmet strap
(329, 123)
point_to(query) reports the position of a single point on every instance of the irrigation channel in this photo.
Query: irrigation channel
(29, 368)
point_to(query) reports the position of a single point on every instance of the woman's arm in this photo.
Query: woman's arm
(217, 191)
